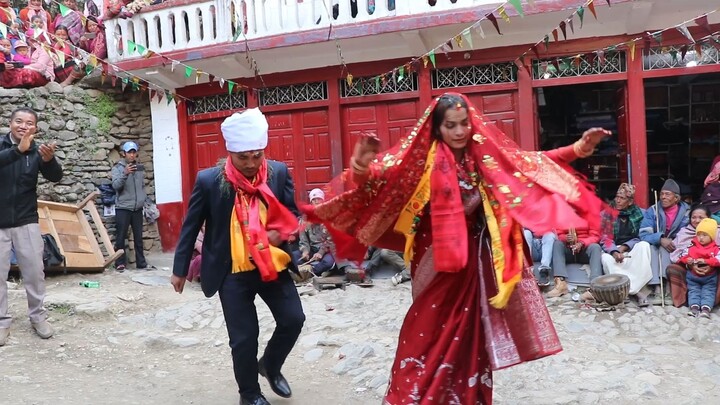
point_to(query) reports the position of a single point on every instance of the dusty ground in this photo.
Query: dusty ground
(133, 343)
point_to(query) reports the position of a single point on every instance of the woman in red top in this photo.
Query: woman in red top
(35, 8)
(452, 196)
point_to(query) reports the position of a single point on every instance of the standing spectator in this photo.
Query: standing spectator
(248, 207)
(128, 180)
(21, 159)
(673, 215)
(703, 260)
(541, 249)
(33, 9)
(316, 246)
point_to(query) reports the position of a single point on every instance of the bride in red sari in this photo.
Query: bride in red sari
(453, 195)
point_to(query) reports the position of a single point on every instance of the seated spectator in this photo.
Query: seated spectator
(93, 39)
(579, 246)
(316, 246)
(35, 9)
(37, 23)
(711, 194)
(625, 253)
(672, 215)
(541, 249)
(64, 71)
(702, 260)
(38, 73)
(5, 51)
(7, 13)
(379, 256)
(22, 53)
(72, 21)
(677, 273)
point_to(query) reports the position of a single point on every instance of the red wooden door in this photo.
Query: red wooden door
(207, 145)
(390, 121)
(500, 108)
(301, 139)
(622, 132)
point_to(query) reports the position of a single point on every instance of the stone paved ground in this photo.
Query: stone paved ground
(134, 341)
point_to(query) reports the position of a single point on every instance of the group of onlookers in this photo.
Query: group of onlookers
(39, 49)
(670, 241)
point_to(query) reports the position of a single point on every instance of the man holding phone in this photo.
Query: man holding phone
(128, 180)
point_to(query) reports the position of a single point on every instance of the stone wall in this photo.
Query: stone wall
(89, 127)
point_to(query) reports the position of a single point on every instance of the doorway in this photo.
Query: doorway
(565, 112)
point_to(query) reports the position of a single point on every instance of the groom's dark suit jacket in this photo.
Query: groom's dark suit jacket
(212, 204)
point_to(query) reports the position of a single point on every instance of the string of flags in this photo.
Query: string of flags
(647, 39)
(92, 63)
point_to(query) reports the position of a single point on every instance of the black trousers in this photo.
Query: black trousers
(123, 220)
(237, 296)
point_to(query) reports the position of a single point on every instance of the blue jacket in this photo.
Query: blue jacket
(212, 203)
(648, 229)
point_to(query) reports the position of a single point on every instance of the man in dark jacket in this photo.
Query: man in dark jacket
(247, 205)
(21, 159)
(128, 180)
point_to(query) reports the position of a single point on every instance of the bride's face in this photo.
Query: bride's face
(455, 129)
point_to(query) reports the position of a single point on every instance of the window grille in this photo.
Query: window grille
(295, 93)
(474, 75)
(370, 85)
(667, 57)
(220, 102)
(589, 64)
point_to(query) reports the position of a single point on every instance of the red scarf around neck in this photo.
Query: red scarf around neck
(247, 208)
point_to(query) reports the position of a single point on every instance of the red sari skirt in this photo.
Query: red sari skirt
(22, 78)
(452, 338)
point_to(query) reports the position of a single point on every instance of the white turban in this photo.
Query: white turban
(317, 193)
(245, 131)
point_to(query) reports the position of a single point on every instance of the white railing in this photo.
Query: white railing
(207, 23)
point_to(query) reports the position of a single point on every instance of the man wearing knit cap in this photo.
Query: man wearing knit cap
(671, 214)
(248, 207)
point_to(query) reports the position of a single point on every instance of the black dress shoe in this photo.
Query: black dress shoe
(255, 400)
(278, 383)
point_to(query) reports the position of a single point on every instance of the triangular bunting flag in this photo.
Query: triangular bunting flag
(113, 80)
(459, 41)
(494, 22)
(152, 94)
(555, 35)
(88, 70)
(159, 96)
(377, 84)
(479, 30)
(631, 47)
(468, 37)
(425, 60)
(61, 58)
(231, 86)
(103, 77)
(431, 55)
(658, 38)
(686, 32)
(563, 29)
(93, 61)
(556, 64)
(222, 82)
(349, 79)
(518, 7)
(64, 10)
(140, 49)
(37, 33)
(591, 7)
(535, 50)
(150, 54)
(570, 23)
(123, 83)
(590, 58)
(169, 97)
(188, 71)
(211, 78)
(503, 14)
(698, 51)
(198, 74)
(702, 22)
(581, 14)
(236, 36)
(546, 41)
(683, 52)
(601, 57)
(608, 2)
(131, 47)
(3, 30)
(401, 72)
(174, 65)
(577, 60)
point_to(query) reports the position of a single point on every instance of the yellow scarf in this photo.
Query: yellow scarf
(239, 249)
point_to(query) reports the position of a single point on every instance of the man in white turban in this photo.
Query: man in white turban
(248, 207)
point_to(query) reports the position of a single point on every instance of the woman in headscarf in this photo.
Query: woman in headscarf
(35, 8)
(624, 252)
(711, 194)
(93, 39)
(453, 195)
(676, 271)
(71, 20)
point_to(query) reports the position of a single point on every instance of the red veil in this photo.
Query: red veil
(522, 187)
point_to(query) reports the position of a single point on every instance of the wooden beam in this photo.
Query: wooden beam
(104, 237)
(53, 231)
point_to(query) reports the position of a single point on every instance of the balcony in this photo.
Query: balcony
(179, 25)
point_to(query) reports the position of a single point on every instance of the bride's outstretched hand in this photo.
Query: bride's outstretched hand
(592, 137)
(366, 148)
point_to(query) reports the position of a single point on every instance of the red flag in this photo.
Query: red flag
(494, 21)
(555, 34)
(698, 50)
(113, 80)
(590, 58)
(563, 29)
(702, 22)
(608, 2)
(683, 52)
(557, 65)
(535, 50)
(591, 6)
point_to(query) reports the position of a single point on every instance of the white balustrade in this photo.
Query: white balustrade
(207, 23)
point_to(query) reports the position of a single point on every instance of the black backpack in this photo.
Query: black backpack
(51, 252)
(107, 194)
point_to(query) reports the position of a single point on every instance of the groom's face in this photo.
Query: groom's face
(248, 163)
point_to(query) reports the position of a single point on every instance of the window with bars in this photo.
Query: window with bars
(370, 85)
(295, 93)
(474, 75)
(220, 102)
(587, 64)
(667, 57)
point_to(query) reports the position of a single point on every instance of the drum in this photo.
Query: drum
(610, 288)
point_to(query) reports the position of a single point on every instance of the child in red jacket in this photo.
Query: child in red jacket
(702, 258)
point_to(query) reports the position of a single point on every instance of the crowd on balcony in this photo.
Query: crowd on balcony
(29, 52)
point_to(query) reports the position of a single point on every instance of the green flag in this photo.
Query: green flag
(518, 7)
(131, 47)
(64, 10)
(431, 55)
(231, 84)
(188, 71)
(140, 49)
